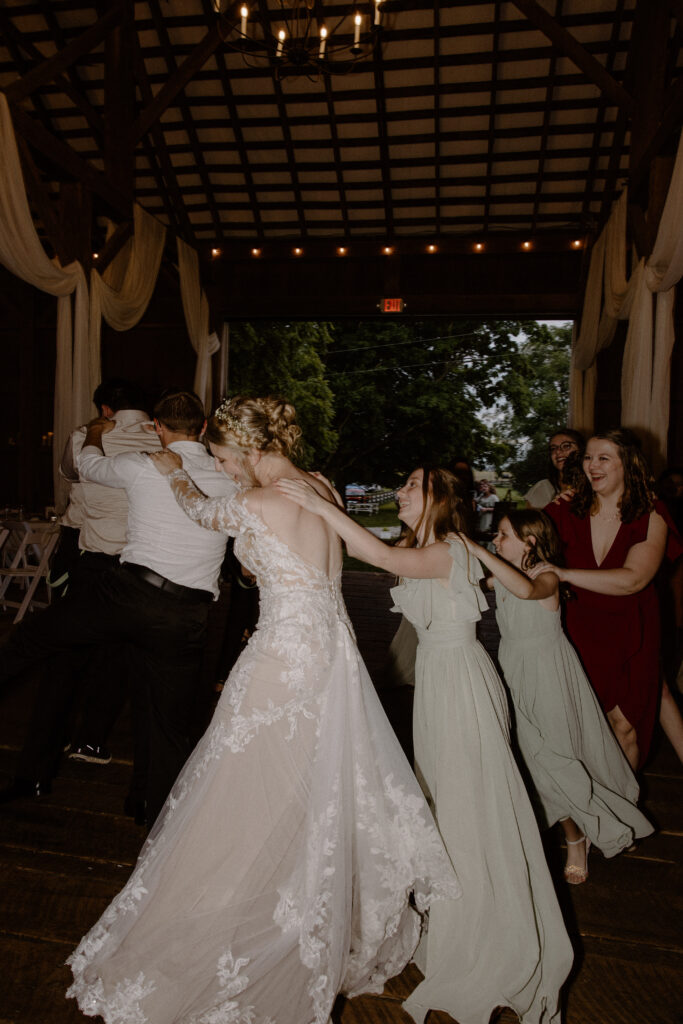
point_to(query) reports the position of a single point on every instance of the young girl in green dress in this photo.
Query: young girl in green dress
(578, 772)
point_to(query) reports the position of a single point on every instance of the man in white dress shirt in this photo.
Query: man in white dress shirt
(92, 536)
(155, 603)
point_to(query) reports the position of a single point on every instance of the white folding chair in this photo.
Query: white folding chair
(29, 566)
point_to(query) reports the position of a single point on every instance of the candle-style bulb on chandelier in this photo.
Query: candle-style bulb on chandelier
(301, 37)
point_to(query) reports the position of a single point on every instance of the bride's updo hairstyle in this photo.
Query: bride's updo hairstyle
(255, 424)
(445, 509)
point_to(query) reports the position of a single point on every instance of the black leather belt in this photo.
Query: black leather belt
(168, 586)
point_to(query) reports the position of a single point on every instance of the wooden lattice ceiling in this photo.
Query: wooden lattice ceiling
(467, 120)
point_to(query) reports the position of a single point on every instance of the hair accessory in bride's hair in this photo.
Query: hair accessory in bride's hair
(234, 426)
(221, 412)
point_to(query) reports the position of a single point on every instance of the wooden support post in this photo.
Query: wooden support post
(75, 207)
(119, 105)
(28, 434)
(649, 40)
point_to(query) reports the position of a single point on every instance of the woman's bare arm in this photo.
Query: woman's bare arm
(641, 564)
(514, 580)
(430, 562)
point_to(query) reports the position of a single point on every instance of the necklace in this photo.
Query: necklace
(609, 516)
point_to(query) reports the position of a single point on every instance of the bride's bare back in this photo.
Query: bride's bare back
(304, 533)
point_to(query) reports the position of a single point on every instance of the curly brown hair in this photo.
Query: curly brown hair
(638, 496)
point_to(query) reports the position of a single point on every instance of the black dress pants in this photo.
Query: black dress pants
(161, 635)
(62, 680)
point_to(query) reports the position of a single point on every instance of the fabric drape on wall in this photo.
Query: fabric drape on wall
(123, 308)
(664, 269)
(608, 299)
(196, 310)
(21, 251)
(645, 380)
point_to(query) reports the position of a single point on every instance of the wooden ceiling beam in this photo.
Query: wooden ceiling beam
(491, 118)
(292, 163)
(119, 105)
(382, 135)
(175, 199)
(669, 123)
(70, 88)
(647, 194)
(187, 120)
(228, 99)
(438, 107)
(601, 128)
(72, 52)
(68, 160)
(452, 89)
(567, 45)
(186, 71)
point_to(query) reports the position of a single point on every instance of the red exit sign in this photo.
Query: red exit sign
(392, 305)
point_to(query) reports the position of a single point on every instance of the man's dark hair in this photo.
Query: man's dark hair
(118, 394)
(180, 411)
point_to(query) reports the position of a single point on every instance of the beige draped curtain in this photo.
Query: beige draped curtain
(21, 251)
(123, 293)
(646, 300)
(196, 310)
(120, 296)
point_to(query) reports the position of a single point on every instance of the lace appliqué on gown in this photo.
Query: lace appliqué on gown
(283, 867)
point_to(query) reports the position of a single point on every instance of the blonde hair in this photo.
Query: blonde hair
(261, 424)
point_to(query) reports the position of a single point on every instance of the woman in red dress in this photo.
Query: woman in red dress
(614, 532)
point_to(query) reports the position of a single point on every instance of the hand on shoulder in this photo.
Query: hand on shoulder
(102, 424)
(302, 493)
(165, 461)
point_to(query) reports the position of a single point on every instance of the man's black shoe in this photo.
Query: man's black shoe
(136, 809)
(24, 789)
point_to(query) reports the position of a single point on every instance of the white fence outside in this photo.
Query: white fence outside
(369, 502)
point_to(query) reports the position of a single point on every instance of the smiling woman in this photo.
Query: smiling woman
(563, 443)
(614, 532)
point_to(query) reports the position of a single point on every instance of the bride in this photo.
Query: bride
(295, 852)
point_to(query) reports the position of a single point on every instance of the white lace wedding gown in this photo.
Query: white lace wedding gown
(281, 868)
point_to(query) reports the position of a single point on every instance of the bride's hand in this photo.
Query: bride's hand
(303, 494)
(166, 461)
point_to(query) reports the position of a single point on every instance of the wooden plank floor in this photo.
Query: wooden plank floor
(64, 857)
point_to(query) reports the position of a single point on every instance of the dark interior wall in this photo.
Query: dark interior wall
(155, 354)
(27, 351)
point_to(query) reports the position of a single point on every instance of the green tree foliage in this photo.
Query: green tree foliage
(376, 398)
(539, 399)
(409, 393)
(288, 359)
